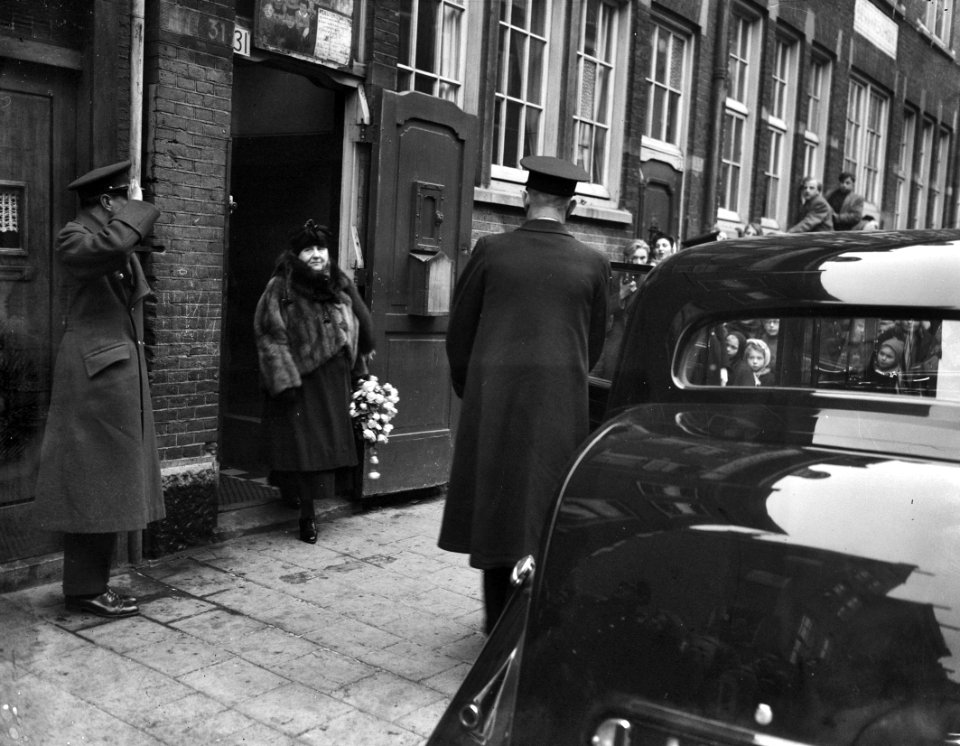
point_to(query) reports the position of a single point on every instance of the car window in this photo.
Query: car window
(910, 357)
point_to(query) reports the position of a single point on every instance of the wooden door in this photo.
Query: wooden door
(660, 200)
(37, 160)
(420, 224)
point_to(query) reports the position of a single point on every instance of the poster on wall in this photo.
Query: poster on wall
(314, 30)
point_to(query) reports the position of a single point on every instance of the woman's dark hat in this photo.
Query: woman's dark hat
(314, 234)
(553, 175)
(112, 178)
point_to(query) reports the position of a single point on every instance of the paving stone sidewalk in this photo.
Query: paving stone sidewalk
(262, 639)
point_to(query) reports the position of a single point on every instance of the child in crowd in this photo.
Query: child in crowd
(757, 355)
(883, 373)
(738, 372)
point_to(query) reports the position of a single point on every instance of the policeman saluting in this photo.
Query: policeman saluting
(99, 468)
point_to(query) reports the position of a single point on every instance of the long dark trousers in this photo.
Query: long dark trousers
(86, 563)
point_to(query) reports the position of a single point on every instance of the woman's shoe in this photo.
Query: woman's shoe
(308, 530)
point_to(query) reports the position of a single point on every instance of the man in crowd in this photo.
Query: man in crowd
(815, 212)
(527, 324)
(847, 205)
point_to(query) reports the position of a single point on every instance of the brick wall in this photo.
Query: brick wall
(188, 112)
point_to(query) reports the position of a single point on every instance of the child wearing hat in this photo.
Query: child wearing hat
(883, 373)
(757, 355)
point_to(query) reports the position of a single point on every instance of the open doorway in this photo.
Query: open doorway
(285, 167)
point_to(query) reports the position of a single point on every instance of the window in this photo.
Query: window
(818, 103)
(780, 126)
(739, 118)
(828, 352)
(940, 19)
(596, 63)
(530, 113)
(521, 82)
(666, 80)
(865, 138)
(904, 166)
(938, 180)
(923, 176)
(431, 47)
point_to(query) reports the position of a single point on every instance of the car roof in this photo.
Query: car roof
(906, 268)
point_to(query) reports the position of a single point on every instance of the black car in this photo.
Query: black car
(762, 555)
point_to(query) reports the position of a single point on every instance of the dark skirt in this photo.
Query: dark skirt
(313, 432)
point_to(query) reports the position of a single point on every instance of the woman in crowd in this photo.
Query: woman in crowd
(621, 295)
(663, 246)
(313, 332)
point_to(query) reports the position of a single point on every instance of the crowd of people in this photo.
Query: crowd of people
(842, 209)
(888, 355)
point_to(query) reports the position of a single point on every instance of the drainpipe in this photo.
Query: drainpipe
(136, 87)
(135, 538)
(718, 102)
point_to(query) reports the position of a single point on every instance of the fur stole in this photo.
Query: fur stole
(304, 319)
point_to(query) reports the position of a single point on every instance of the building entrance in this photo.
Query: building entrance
(285, 168)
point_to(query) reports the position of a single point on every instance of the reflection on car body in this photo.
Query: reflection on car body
(761, 564)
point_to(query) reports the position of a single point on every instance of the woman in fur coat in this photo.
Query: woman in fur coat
(311, 329)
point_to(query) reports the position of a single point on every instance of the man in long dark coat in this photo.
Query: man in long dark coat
(99, 468)
(528, 323)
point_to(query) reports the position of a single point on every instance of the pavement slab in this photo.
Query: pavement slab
(259, 639)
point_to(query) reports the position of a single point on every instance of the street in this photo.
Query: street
(262, 639)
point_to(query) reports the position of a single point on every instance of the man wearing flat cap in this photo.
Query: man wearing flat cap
(99, 468)
(527, 324)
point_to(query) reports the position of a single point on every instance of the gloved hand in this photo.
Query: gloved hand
(286, 398)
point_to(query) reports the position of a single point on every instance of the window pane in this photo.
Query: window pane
(427, 36)
(532, 131)
(519, 16)
(588, 85)
(676, 63)
(656, 121)
(515, 75)
(538, 17)
(673, 119)
(406, 11)
(535, 71)
(451, 41)
(590, 28)
(511, 135)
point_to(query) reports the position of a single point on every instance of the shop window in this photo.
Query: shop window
(530, 114)
(432, 47)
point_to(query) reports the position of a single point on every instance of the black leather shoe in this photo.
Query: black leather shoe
(128, 600)
(108, 604)
(308, 530)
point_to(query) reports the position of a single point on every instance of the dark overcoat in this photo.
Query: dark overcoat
(99, 468)
(527, 324)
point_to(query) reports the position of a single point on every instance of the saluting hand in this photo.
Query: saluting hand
(134, 192)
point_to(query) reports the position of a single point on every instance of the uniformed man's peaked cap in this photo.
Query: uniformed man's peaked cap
(553, 175)
(112, 178)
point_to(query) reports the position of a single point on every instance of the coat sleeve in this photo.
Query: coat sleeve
(598, 316)
(816, 213)
(851, 212)
(87, 255)
(278, 371)
(465, 317)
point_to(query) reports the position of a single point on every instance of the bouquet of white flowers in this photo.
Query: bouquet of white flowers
(372, 406)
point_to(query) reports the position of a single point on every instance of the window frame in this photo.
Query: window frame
(732, 203)
(901, 214)
(939, 21)
(865, 140)
(816, 133)
(558, 126)
(925, 158)
(440, 38)
(938, 178)
(781, 123)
